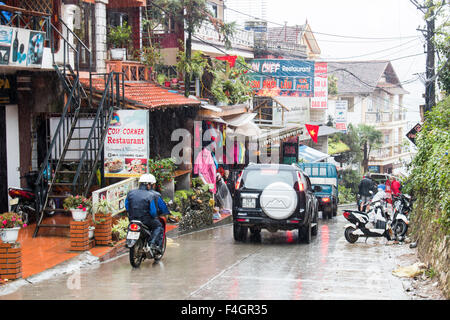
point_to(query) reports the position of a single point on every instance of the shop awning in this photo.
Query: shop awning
(239, 120)
(250, 129)
(311, 155)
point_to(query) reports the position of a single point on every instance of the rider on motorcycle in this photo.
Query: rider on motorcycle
(145, 204)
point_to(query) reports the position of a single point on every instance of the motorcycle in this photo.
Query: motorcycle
(23, 200)
(375, 223)
(401, 208)
(138, 235)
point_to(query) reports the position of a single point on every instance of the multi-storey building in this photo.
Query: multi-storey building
(374, 97)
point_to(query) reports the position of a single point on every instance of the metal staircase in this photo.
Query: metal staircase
(75, 152)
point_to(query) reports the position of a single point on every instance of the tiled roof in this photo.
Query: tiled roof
(147, 95)
(357, 77)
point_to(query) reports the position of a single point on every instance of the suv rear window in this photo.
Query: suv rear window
(261, 178)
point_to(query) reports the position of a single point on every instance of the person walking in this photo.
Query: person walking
(365, 188)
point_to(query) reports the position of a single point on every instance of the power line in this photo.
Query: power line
(280, 77)
(321, 33)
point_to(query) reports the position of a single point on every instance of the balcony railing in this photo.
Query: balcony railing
(378, 117)
(283, 46)
(387, 152)
(383, 117)
(240, 39)
(26, 19)
(132, 70)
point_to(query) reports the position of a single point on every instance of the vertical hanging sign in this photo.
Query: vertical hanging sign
(127, 144)
(341, 115)
(320, 99)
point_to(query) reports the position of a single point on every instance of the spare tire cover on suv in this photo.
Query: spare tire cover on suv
(278, 200)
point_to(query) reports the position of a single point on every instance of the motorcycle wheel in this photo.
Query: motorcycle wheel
(401, 228)
(159, 256)
(137, 254)
(52, 205)
(349, 236)
(23, 214)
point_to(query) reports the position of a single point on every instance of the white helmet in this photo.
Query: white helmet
(147, 178)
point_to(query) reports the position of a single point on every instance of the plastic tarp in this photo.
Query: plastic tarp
(311, 155)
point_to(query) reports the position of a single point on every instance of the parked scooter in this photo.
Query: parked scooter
(138, 236)
(375, 223)
(23, 200)
(402, 206)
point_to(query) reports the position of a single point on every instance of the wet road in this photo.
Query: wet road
(211, 265)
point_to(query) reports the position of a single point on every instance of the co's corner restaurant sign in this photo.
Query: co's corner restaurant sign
(278, 77)
(126, 148)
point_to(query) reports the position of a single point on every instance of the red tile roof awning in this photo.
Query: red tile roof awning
(146, 95)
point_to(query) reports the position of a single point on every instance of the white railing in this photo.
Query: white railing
(240, 38)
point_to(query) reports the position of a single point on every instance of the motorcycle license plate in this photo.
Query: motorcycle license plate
(133, 235)
(14, 201)
(248, 203)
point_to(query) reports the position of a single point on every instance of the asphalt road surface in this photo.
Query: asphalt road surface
(210, 265)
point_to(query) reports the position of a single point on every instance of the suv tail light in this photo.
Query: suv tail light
(326, 199)
(299, 185)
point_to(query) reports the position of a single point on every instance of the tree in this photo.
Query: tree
(369, 139)
(349, 142)
(193, 13)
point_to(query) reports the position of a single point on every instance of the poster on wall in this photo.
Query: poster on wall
(341, 115)
(5, 44)
(35, 49)
(320, 99)
(126, 147)
(19, 47)
(115, 194)
(279, 77)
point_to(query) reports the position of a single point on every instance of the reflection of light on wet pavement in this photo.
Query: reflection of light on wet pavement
(290, 238)
(171, 243)
(324, 242)
(298, 290)
(234, 290)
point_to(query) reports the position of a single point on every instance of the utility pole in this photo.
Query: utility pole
(430, 88)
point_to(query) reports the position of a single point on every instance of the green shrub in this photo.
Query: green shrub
(346, 195)
(429, 180)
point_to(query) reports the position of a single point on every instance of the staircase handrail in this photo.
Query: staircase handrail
(91, 136)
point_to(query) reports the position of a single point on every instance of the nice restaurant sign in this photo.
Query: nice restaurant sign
(278, 77)
(127, 144)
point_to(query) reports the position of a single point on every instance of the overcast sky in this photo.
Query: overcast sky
(350, 20)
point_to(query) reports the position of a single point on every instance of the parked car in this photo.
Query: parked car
(274, 197)
(380, 178)
(324, 174)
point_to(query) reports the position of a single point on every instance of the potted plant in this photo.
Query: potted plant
(119, 38)
(161, 78)
(10, 223)
(78, 205)
(163, 170)
(102, 216)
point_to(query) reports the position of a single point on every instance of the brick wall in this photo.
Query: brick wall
(10, 261)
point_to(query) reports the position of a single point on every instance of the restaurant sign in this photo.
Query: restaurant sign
(278, 77)
(126, 147)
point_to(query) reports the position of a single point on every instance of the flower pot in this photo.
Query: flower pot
(118, 53)
(78, 214)
(91, 232)
(9, 235)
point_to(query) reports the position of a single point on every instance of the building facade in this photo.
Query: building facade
(374, 97)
